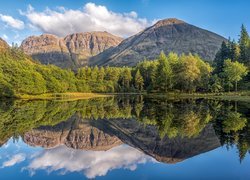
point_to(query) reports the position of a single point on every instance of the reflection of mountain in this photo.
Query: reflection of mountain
(104, 123)
(74, 134)
(162, 149)
(105, 134)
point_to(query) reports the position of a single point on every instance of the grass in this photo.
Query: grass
(230, 96)
(61, 96)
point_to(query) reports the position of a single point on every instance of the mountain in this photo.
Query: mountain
(70, 52)
(3, 45)
(167, 35)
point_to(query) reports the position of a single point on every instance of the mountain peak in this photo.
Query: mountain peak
(168, 35)
(169, 21)
(72, 51)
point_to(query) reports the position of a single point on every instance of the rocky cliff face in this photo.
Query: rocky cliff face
(70, 52)
(166, 35)
(3, 45)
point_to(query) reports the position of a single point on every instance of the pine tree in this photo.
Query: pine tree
(139, 82)
(94, 74)
(244, 46)
(126, 79)
(101, 74)
(221, 56)
(234, 51)
(164, 74)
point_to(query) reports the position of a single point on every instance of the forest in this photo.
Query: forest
(185, 73)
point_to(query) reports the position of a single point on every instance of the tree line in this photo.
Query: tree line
(19, 74)
(232, 62)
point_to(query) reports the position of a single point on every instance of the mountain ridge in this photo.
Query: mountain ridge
(72, 51)
(166, 35)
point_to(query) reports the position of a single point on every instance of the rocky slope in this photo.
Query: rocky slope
(70, 52)
(167, 35)
(3, 45)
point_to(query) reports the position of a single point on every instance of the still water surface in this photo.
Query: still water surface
(125, 137)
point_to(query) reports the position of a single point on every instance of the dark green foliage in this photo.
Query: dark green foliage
(236, 53)
(138, 81)
(244, 45)
(221, 56)
(164, 74)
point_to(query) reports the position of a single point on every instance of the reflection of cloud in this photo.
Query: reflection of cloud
(14, 160)
(92, 163)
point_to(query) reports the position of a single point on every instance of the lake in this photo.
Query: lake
(125, 137)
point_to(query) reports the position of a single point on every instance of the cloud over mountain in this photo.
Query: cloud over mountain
(91, 17)
(12, 22)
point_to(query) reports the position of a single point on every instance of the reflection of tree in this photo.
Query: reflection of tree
(172, 118)
(232, 127)
(176, 118)
(233, 122)
(25, 115)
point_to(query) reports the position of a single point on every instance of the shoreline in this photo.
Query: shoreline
(61, 96)
(233, 96)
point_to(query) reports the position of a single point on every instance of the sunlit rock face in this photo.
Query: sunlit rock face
(71, 51)
(3, 45)
(75, 133)
(169, 35)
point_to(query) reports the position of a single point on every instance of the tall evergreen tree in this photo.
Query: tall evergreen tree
(139, 81)
(126, 79)
(244, 42)
(164, 74)
(101, 74)
(221, 56)
(234, 51)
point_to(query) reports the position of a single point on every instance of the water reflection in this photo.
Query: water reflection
(98, 135)
(91, 163)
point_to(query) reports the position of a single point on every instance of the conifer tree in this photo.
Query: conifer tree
(138, 81)
(164, 74)
(244, 42)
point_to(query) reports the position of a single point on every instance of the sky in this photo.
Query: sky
(22, 18)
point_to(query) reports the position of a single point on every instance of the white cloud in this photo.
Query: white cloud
(91, 18)
(92, 163)
(14, 160)
(12, 22)
(5, 37)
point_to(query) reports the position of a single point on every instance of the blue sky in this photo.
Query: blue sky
(22, 18)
